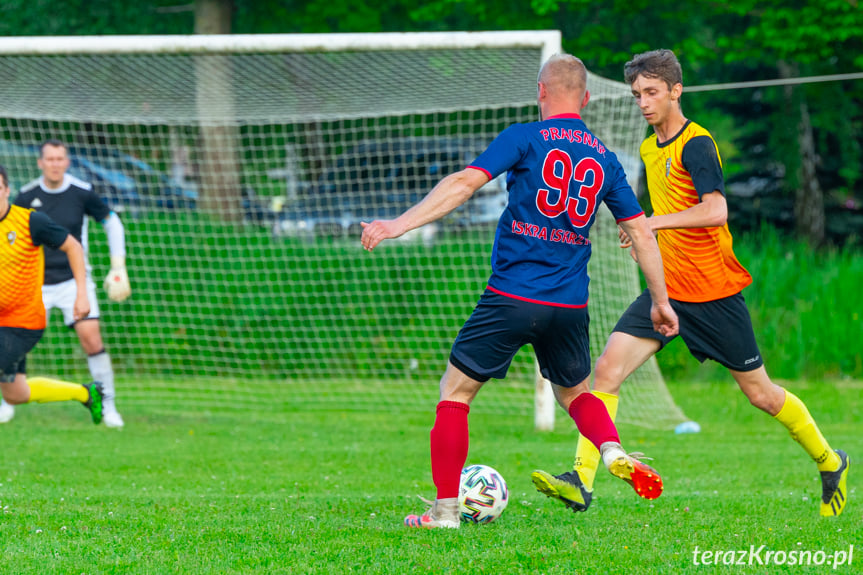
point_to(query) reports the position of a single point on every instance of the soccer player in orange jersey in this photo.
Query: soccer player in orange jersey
(23, 232)
(704, 280)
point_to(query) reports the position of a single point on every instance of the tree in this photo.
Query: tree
(803, 37)
(220, 162)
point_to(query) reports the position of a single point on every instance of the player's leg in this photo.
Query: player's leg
(483, 349)
(623, 354)
(632, 342)
(90, 335)
(62, 297)
(7, 412)
(449, 441)
(13, 348)
(594, 423)
(15, 343)
(791, 412)
(48, 390)
(728, 338)
(564, 358)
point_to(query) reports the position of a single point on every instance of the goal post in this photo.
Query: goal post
(242, 166)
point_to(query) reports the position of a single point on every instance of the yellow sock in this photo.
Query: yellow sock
(46, 390)
(804, 431)
(586, 454)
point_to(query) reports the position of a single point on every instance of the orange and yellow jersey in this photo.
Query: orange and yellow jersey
(22, 265)
(699, 262)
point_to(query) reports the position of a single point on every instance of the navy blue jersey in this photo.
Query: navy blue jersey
(69, 206)
(558, 173)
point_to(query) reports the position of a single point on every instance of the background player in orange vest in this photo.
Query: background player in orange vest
(704, 280)
(23, 232)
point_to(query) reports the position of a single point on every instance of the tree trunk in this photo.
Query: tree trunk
(808, 197)
(220, 160)
(809, 214)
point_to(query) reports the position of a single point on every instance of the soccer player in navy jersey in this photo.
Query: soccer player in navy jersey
(558, 172)
(23, 233)
(68, 201)
(705, 283)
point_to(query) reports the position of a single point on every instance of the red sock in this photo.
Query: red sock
(449, 443)
(591, 417)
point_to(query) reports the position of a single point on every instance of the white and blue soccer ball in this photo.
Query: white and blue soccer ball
(482, 494)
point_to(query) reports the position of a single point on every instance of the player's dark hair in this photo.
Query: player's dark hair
(4, 175)
(660, 64)
(51, 142)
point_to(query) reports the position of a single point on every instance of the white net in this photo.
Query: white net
(242, 178)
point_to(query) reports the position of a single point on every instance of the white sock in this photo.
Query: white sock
(101, 370)
(611, 452)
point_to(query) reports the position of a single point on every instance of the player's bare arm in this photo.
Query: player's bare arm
(648, 258)
(447, 195)
(710, 212)
(75, 253)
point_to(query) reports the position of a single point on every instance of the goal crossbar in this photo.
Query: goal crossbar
(548, 40)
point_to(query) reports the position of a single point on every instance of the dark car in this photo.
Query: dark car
(21, 160)
(380, 179)
(130, 183)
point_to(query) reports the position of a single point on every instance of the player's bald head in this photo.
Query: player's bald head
(564, 75)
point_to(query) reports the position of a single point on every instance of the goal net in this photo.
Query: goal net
(242, 167)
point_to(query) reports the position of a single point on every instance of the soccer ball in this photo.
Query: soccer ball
(482, 494)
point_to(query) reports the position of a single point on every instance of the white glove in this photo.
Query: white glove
(117, 282)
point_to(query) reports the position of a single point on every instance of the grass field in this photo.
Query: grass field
(311, 491)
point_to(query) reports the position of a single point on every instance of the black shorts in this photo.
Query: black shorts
(499, 326)
(15, 343)
(720, 330)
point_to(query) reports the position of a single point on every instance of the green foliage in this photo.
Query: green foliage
(272, 490)
(805, 31)
(93, 17)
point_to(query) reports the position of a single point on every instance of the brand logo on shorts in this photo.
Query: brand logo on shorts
(667, 167)
(752, 360)
(11, 237)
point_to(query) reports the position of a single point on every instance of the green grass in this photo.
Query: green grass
(275, 490)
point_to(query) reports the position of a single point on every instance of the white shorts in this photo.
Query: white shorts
(62, 296)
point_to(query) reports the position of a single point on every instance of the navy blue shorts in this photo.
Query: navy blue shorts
(720, 330)
(499, 326)
(15, 343)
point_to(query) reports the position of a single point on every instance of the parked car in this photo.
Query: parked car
(380, 179)
(21, 165)
(118, 189)
(125, 180)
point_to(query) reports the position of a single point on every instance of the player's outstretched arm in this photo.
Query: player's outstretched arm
(648, 258)
(73, 250)
(447, 195)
